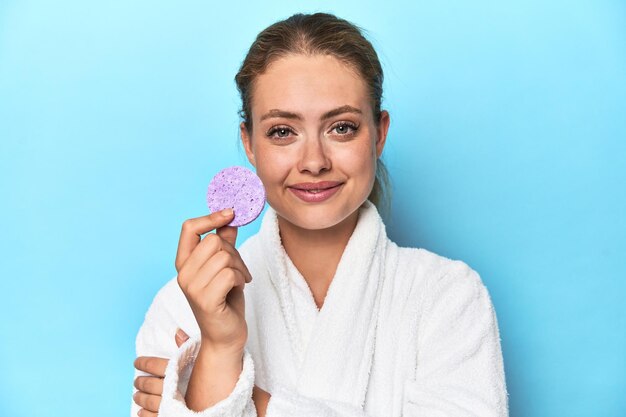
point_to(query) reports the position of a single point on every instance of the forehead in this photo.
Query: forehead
(308, 84)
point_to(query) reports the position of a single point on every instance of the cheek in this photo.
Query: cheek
(272, 164)
(358, 160)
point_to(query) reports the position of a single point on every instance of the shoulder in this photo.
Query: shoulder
(453, 295)
(437, 267)
(434, 277)
(446, 295)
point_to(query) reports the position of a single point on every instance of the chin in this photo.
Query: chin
(315, 222)
(317, 217)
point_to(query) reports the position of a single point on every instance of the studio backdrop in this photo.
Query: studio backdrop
(506, 150)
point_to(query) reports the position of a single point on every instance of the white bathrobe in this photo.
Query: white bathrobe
(402, 332)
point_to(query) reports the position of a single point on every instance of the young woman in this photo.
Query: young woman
(337, 319)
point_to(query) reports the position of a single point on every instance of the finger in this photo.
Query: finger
(180, 337)
(148, 401)
(217, 263)
(152, 365)
(226, 246)
(149, 384)
(194, 228)
(237, 262)
(226, 259)
(210, 256)
(145, 413)
(223, 283)
(210, 245)
(228, 233)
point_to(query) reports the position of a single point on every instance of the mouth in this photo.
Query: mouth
(315, 192)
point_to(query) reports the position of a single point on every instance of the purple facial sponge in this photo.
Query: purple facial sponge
(237, 188)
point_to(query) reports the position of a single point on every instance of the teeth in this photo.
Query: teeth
(314, 191)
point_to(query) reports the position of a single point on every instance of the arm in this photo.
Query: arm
(246, 399)
(211, 277)
(155, 339)
(151, 388)
(460, 369)
(238, 402)
(213, 377)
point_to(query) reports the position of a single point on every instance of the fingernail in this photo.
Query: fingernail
(227, 212)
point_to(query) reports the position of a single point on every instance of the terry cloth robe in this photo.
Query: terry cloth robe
(402, 332)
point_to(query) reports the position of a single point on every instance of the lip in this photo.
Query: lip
(315, 192)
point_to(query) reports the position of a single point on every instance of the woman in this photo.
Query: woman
(337, 319)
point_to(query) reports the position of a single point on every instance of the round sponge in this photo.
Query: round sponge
(237, 188)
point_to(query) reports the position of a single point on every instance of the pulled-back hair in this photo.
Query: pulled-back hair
(318, 34)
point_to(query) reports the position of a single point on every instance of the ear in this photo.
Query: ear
(383, 128)
(247, 143)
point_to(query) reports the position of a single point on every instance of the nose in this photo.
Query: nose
(314, 158)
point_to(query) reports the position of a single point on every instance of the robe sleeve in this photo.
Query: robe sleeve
(460, 369)
(283, 402)
(239, 402)
(156, 335)
(168, 311)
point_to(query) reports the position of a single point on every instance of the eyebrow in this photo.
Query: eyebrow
(332, 113)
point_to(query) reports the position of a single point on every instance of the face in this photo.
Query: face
(314, 141)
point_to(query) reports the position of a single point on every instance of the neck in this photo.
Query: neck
(316, 253)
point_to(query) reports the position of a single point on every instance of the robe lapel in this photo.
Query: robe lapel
(337, 361)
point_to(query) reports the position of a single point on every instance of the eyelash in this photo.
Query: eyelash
(270, 133)
(349, 125)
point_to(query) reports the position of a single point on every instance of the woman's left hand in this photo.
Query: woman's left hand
(150, 388)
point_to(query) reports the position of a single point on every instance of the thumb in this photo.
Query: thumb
(228, 233)
(181, 337)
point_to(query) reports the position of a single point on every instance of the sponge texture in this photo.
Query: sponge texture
(237, 188)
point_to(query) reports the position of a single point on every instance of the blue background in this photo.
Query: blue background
(506, 150)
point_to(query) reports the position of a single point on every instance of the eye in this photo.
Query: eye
(344, 128)
(280, 132)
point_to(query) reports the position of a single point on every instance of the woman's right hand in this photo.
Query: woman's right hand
(212, 276)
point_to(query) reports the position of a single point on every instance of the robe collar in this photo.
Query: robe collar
(336, 362)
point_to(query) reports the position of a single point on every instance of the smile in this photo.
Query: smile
(315, 192)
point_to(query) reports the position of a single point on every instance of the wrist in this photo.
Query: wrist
(207, 347)
(220, 359)
(213, 378)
